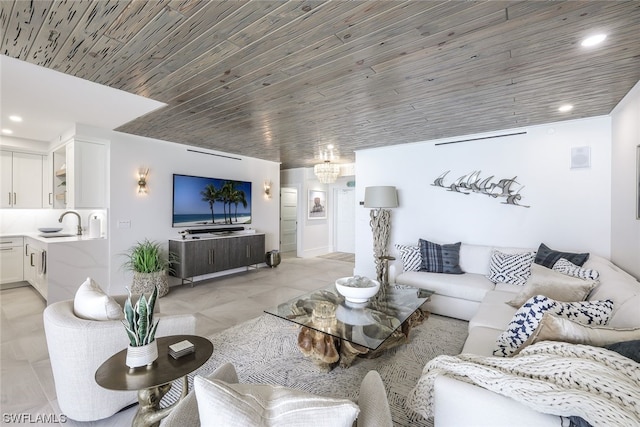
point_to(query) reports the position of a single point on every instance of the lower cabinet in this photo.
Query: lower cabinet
(11, 259)
(35, 265)
(196, 257)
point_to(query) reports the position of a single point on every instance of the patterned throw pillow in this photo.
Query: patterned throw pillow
(514, 269)
(570, 269)
(410, 256)
(548, 257)
(525, 321)
(440, 258)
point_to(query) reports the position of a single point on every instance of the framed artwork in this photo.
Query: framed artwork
(317, 204)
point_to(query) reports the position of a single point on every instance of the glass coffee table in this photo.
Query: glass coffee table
(336, 331)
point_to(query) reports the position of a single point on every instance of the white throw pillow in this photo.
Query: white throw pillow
(241, 405)
(526, 320)
(552, 284)
(410, 256)
(514, 269)
(92, 303)
(567, 267)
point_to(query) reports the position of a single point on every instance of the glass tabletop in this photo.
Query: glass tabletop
(366, 324)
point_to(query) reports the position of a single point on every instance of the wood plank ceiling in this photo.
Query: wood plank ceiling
(280, 80)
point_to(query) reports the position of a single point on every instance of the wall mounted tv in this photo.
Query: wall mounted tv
(201, 201)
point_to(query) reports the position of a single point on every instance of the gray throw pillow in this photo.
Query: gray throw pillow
(548, 257)
(440, 258)
(630, 349)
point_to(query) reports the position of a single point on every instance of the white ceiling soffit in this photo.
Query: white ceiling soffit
(51, 102)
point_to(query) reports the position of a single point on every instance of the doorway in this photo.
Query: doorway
(288, 219)
(345, 220)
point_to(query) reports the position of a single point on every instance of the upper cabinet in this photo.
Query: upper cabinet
(80, 175)
(22, 180)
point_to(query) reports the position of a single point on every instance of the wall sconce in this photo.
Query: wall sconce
(267, 189)
(142, 180)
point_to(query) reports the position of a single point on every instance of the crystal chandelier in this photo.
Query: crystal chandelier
(327, 172)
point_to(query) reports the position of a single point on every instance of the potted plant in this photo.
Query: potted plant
(138, 322)
(149, 265)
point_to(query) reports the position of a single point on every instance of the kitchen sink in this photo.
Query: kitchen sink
(48, 235)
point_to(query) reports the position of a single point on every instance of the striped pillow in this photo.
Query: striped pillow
(440, 258)
(410, 256)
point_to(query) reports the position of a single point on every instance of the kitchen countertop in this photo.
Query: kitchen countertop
(38, 236)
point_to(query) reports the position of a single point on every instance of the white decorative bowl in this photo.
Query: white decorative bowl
(355, 294)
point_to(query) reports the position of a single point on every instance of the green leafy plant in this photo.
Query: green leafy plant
(147, 257)
(138, 319)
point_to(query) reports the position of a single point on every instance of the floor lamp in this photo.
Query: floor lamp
(381, 198)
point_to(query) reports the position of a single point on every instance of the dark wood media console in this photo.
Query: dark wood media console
(211, 254)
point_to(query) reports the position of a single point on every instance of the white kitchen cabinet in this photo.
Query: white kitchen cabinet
(11, 259)
(35, 266)
(47, 192)
(80, 175)
(22, 180)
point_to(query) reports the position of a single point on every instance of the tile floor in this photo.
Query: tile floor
(26, 381)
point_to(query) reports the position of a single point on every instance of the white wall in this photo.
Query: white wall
(570, 209)
(625, 187)
(149, 215)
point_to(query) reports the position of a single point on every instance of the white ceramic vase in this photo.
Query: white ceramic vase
(143, 355)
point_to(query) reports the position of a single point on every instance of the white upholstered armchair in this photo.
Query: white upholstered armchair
(77, 347)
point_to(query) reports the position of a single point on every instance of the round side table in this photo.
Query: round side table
(154, 381)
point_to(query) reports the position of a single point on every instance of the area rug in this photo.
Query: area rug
(264, 350)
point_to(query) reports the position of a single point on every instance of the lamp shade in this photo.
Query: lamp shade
(384, 196)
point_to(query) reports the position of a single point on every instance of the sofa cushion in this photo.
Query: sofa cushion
(510, 268)
(440, 258)
(570, 269)
(481, 340)
(526, 319)
(626, 314)
(475, 258)
(618, 286)
(410, 256)
(554, 328)
(494, 312)
(548, 257)
(468, 286)
(223, 404)
(553, 284)
(92, 303)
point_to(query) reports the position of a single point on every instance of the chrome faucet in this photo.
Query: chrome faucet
(79, 233)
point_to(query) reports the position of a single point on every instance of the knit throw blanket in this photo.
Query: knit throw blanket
(555, 378)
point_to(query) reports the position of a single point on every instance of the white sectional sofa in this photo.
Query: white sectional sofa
(472, 296)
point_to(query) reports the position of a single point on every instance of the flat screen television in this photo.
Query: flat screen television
(201, 201)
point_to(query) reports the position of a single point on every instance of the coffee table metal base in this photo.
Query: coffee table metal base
(327, 351)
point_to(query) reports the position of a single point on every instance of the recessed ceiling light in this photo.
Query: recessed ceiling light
(593, 40)
(7, 131)
(15, 118)
(565, 108)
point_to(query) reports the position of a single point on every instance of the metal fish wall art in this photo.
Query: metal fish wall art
(474, 183)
